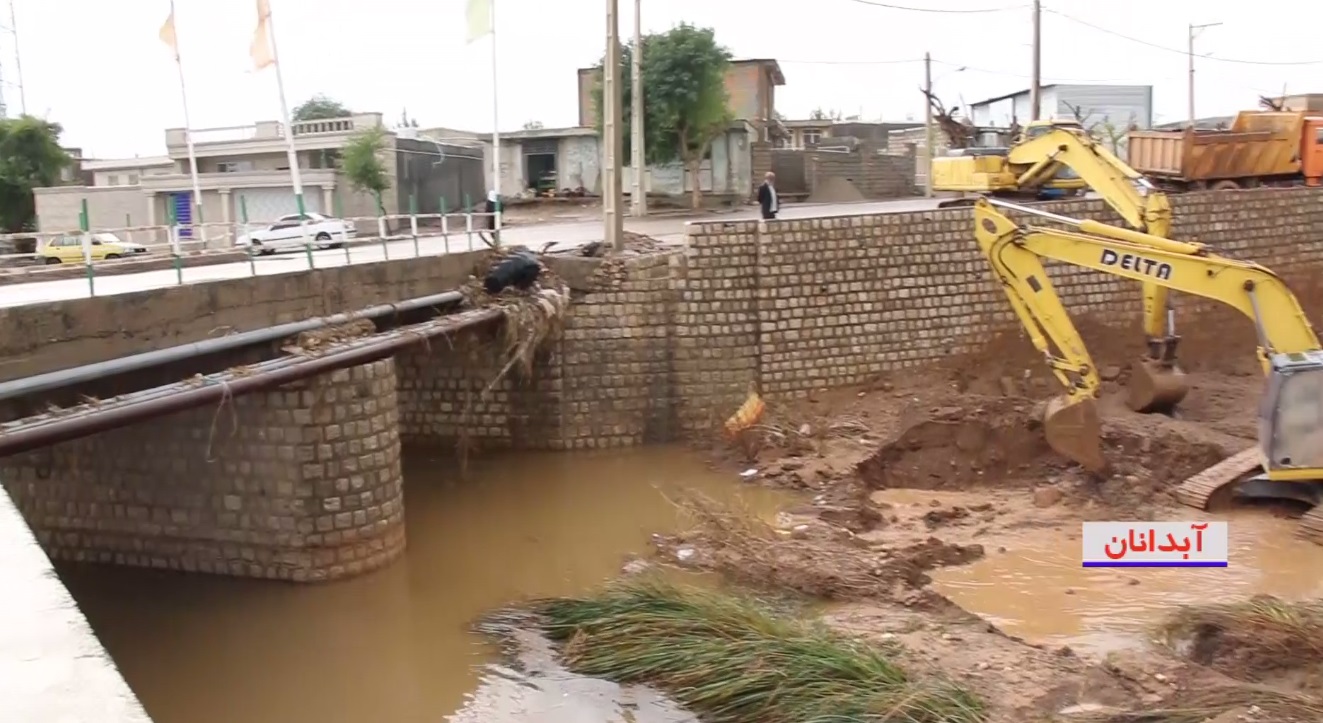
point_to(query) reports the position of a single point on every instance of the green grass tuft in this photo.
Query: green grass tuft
(729, 659)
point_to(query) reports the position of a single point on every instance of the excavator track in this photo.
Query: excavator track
(1311, 526)
(1198, 490)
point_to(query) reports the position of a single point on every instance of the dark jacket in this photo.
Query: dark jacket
(765, 198)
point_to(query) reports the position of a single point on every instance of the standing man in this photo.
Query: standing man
(767, 197)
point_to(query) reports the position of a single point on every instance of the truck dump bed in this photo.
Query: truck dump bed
(1259, 144)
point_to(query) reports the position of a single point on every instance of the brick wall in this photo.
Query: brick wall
(301, 483)
(802, 305)
(603, 381)
(876, 175)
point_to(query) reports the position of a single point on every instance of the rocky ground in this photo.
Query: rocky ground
(974, 442)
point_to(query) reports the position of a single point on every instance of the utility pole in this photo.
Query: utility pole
(928, 124)
(18, 61)
(1036, 86)
(638, 196)
(611, 132)
(1189, 53)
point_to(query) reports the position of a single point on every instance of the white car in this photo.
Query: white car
(287, 234)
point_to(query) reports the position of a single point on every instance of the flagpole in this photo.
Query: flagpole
(295, 176)
(496, 130)
(188, 132)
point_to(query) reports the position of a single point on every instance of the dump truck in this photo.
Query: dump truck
(1262, 148)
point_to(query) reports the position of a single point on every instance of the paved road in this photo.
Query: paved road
(667, 229)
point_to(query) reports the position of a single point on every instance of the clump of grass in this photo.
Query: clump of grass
(1249, 639)
(729, 659)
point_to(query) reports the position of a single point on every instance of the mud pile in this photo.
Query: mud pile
(813, 558)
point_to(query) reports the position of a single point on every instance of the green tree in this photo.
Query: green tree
(320, 107)
(684, 97)
(534, 125)
(361, 161)
(30, 157)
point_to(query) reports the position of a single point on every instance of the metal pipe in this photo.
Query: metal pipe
(152, 403)
(78, 375)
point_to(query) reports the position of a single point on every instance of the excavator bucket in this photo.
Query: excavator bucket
(1074, 431)
(1155, 387)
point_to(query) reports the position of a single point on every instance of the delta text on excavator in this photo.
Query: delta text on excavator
(1060, 154)
(1290, 445)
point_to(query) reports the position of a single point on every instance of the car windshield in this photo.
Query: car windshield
(105, 238)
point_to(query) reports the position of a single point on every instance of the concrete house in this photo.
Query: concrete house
(1119, 104)
(244, 175)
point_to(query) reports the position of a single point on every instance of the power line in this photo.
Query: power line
(1156, 46)
(947, 11)
(851, 62)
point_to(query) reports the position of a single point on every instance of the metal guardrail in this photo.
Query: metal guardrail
(187, 246)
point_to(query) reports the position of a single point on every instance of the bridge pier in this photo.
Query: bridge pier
(300, 483)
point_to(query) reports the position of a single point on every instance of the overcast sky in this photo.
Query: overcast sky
(98, 68)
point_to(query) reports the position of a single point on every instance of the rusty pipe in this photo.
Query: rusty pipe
(78, 375)
(153, 403)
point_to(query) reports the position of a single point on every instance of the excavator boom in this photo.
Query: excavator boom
(1291, 414)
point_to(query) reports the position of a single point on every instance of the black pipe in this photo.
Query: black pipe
(112, 414)
(78, 375)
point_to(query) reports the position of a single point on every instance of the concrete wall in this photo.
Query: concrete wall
(58, 208)
(751, 94)
(875, 174)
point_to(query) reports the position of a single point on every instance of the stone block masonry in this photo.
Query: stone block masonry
(302, 483)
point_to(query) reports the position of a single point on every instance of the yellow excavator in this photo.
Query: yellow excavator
(1059, 155)
(1290, 447)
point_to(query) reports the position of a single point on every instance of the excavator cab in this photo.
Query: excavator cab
(1291, 431)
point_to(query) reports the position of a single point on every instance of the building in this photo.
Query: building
(806, 133)
(557, 159)
(244, 176)
(1120, 105)
(750, 87)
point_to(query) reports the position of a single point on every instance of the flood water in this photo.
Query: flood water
(396, 645)
(1038, 590)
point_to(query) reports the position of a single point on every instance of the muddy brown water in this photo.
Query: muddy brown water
(1038, 590)
(396, 645)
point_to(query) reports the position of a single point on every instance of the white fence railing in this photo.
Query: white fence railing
(50, 255)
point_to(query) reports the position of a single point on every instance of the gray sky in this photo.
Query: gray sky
(98, 67)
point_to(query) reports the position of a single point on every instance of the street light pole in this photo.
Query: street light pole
(611, 100)
(638, 195)
(1036, 85)
(928, 125)
(1189, 53)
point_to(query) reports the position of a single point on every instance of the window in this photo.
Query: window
(812, 137)
(112, 179)
(234, 166)
(133, 179)
(1319, 138)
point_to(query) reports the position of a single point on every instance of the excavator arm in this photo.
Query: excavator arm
(1291, 418)
(1157, 385)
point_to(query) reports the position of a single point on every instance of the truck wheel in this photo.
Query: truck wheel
(1227, 185)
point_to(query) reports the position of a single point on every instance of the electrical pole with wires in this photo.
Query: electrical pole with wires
(1036, 84)
(1189, 54)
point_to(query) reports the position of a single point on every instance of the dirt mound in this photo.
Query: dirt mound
(835, 190)
(998, 442)
(814, 558)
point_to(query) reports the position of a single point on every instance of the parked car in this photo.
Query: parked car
(287, 234)
(68, 249)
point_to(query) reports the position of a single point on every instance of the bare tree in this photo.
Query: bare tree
(959, 133)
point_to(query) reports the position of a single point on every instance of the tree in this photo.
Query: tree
(320, 107)
(30, 157)
(361, 161)
(829, 115)
(534, 125)
(684, 97)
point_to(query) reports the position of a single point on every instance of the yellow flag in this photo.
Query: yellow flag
(480, 18)
(261, 47)
(168, 33)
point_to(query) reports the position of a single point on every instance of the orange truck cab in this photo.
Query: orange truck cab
(1311, 151)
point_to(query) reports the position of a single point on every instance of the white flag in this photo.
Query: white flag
(479, 18)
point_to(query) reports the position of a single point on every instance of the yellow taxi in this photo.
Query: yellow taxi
(69, 249)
